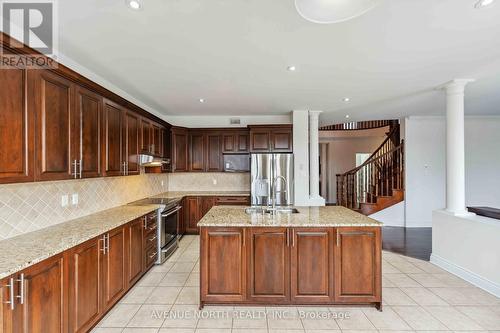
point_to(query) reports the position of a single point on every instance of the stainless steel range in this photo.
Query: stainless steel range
(168, 222)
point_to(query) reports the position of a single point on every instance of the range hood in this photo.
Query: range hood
(146, 160)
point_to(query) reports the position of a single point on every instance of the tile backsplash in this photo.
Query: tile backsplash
(210, 181)
(31, 206)
(28, 207)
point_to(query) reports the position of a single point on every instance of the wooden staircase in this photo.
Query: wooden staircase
(379, 182)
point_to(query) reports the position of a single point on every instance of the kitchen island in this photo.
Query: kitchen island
(317, 256)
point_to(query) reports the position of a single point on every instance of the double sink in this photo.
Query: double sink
(268, 210)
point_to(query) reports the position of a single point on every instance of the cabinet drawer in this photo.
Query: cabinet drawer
(150, 240)
(151, 256)
(233, 200)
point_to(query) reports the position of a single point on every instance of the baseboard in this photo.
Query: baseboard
(477, 280)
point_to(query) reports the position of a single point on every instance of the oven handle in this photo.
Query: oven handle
(171, 212)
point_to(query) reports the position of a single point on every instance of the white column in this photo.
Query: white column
(301, 156)
(314, 159)
(455, 146)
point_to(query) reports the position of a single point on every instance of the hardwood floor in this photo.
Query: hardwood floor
(411, 242)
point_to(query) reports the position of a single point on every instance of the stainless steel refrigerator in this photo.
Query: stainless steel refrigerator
(268, 171)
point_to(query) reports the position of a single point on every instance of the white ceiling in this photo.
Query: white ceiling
(234, 54)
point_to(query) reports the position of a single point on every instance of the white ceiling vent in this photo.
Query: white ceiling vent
(235, 121)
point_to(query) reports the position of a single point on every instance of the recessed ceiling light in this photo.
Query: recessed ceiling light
(346, 99)
(291, 68)
(347, 116)
(134, 4)
(483, 3)
(202, 100)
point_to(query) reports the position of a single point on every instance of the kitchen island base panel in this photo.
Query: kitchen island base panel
(314, 266)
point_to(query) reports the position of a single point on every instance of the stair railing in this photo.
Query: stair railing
(382, 172)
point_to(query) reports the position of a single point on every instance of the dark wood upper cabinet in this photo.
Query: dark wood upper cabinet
(87, 132)
(146, 134)
(268, 276)
(235, 141)
(112, 149)
(281, 139)
(85, 287)
(131, 142)
(271, 138)
(197, 151)
(260, 140)
(214, 159)
(179, 144)
(54, 109)
(16, 128)
(156, 140)
(312, 273)
(358, 265)
(223, 265)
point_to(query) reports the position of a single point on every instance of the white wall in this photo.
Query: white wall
(482, 161)
(393, 216)
(468, 247)
(426, 165)
(301, 156)
(425, 158)
(224, 121)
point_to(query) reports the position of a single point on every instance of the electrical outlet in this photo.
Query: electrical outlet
(64, 200)
(74, 199)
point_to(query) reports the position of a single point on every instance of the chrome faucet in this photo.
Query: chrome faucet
(274, 192)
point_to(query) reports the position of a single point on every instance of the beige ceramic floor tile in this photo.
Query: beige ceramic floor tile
(120, 315)
(357, 320)
(402, 280)
(454, 296)
(176, 330)
(250, 330)
(163, 268)
(193, 280)
(451, 280)
(249, 318)
(174, 280)
(395, 296)
(418, 318)
(151, 279)
(106, 330)
(137, 295)
(452, 318)
(140, 330)
(424, 296)
(182, 316)
(407, 267)
(386, 320)
(389, 269)
(484, 316)
(163, 295)
(149, 315)
(213, 330)
(189, 295)
(428, 280)
(182, 267)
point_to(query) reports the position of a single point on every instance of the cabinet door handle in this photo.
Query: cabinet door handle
(152, 238)
(21, 289)
(75, 173)
(145, 219)
(11, 294)
(153, 255)
(103, 239)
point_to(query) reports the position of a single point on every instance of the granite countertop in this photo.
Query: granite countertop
(329, 216)
(25, 250)
(181, 194)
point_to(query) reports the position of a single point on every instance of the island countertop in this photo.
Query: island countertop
(328, 216)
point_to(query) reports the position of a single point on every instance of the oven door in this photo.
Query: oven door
(169, 221)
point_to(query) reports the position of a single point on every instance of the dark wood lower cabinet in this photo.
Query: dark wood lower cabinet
(135, 235)
(290, 265)
(358, 265)
(312, 265)
(114, 267)
(268, 256)
(223, 267)
(39, 297)
(85, 285)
